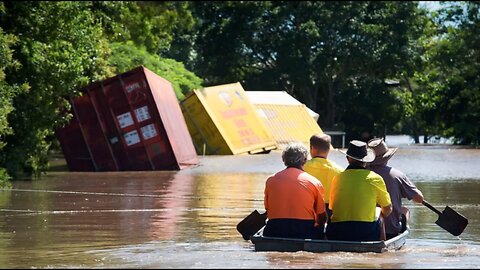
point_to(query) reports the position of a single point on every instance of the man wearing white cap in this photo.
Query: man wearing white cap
(354, 196)
(398, 185)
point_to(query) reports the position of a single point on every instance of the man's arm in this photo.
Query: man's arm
(322, 219)
(418, 198)
(387, 210)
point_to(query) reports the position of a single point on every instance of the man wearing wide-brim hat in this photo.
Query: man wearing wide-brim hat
(354, 196)
(398, 186)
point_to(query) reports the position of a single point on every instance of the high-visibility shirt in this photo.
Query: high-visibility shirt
(293, 193)
(324, 170)
(354, 195)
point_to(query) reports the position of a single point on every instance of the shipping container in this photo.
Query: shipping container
(277, 98)
(222, 121)
(288, 123)
(130, 122)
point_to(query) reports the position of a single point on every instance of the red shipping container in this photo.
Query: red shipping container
(130, 122)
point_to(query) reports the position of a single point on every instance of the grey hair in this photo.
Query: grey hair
(295, 155)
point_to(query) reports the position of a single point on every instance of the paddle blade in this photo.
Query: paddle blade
(251, 224)
(452, 221)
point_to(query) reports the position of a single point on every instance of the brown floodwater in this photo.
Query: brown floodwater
(188, 218)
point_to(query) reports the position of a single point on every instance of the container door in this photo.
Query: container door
(74, 148)
(93, 135)
(150, 129)
(124, 119)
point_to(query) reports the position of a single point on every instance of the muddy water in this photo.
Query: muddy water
(187, 219)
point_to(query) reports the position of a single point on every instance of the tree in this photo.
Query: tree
(457, 57)
(7, 93)
(126, 56)
(150, 24)
(320, 52)
(60, 47)
(445, 95)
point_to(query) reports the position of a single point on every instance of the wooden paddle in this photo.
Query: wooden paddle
(251, 224)
(449, 219)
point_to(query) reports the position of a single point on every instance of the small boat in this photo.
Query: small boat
(266, 243)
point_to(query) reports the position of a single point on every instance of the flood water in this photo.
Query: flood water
(188, 218)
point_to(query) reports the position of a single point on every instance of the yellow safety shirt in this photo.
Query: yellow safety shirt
(354, 195)
(324, 170)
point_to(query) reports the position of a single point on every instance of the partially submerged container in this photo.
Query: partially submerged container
(222, 121)
(277, 98)
(130, 122)
(287, 119)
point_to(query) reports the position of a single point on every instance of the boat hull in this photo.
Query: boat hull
(264, 243)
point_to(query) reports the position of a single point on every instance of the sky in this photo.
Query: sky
(432, 5)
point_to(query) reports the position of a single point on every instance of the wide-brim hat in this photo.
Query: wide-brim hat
(381, 150)
(359, 150)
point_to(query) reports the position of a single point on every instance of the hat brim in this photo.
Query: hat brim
(368, 158)
(385, 157)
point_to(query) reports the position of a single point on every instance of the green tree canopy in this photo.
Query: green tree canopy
(322, 52)
(126, 56)
(60, 47)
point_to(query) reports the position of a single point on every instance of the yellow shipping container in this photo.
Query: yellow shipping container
(222, 121)
(288, 123)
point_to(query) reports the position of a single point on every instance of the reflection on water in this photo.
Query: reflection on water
(187, 219)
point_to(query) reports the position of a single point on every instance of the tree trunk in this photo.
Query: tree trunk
(330, 105)
(416, 136)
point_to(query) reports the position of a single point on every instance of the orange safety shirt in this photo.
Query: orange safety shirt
(293, 193)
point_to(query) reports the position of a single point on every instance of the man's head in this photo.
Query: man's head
(381, 150)
(295, 155)
(320, 145)
(358, 153)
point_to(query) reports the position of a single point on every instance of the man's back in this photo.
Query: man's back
(292, 193)
(355, 194)
(324, 170)
(294, 199)
(398, 186)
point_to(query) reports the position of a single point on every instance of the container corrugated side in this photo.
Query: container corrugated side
(288, 123)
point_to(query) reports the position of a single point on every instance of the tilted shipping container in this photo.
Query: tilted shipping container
(277, 98)
(130, 122)
(222, 121)
(288, 123)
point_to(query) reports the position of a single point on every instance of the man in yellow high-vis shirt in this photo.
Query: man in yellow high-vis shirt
(320, 166)
(354, 196)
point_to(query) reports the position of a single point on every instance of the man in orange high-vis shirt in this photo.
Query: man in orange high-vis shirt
(354, 196)
(294, 199)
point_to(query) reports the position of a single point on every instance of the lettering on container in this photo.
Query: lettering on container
(238, 95)
(131, 138)
(113, 140)
(125, 120)
(233, 113)
(142, 114)
(149, 131)
(239, 123)
(251, 141)
(132, 87)
(246, 132)
(225, 97)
